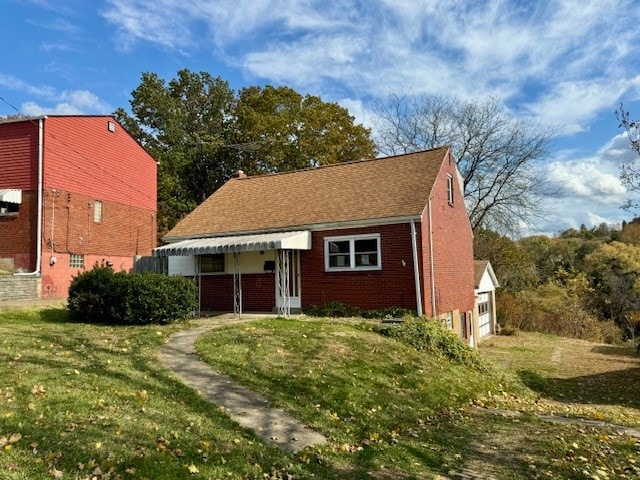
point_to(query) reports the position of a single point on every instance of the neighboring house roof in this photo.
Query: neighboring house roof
(378, 189)
(479, 269)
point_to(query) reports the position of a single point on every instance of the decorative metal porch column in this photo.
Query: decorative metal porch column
(282, 277)
(237, 285)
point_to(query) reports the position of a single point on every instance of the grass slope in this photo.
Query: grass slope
(82, 401)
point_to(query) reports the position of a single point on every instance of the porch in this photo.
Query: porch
(221, 264)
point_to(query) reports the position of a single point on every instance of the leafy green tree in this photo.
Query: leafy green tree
(615, 274)
(201, 132)
(290, 131)
(513, 265)
(184, 125)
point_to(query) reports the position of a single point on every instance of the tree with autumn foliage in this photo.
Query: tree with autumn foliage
(201, 132)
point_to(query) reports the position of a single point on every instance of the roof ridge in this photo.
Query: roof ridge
(338, 164)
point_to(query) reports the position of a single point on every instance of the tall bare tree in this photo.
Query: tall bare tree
(499, 155)
(630, 172)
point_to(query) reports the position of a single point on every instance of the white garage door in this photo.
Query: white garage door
(484, 314)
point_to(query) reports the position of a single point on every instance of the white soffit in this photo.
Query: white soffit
(11, 196)
(298, 240)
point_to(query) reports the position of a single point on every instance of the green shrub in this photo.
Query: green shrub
(333, 309)
(103, 296)
(338, 309)
(388, 313)
(430, 336)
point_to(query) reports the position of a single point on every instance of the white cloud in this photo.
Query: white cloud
(76, 102)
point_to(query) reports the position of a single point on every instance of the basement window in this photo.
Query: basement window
(356, 252)
(76, 260)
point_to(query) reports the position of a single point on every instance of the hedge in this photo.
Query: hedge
(101, 295)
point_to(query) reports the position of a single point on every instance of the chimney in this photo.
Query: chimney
(239, 174)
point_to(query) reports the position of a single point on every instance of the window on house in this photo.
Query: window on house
(359, 252)
(212, 263)
(463, 325)
(450, 189)
(76, 261)
(97, 211)
(9, 208)
(448, 320)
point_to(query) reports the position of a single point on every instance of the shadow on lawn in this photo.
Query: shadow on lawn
(619, 387)
(55, 315)
(616, 350)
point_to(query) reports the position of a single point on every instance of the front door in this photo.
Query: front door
(288, 279)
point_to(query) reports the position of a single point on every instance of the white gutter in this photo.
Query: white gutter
(416, 270)
(431, 268)
(40, 198)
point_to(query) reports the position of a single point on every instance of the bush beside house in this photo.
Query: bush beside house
(104, 296)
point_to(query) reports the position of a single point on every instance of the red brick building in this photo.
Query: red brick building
(75, 190)
(375, 233)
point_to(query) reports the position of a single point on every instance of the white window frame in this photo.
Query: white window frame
(450, 189)
(352, 254)
(97, 211)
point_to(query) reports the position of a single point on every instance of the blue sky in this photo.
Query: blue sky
(568, 63)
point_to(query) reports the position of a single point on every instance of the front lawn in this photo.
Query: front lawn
(82, 401)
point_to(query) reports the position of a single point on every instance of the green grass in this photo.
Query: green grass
(75, 398)
(573, 377)
(83, 397)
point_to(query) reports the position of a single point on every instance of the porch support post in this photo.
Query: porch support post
(282, 277)
(237, 285)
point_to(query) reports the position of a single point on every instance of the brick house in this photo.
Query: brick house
(75, 190)
(375, 233)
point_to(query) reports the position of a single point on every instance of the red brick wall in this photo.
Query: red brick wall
(125, 230)
(452, 248)
(258, 292)
(18, 233)
(393, 285)
(57, 278)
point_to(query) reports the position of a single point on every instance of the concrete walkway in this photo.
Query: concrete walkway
(246, 407)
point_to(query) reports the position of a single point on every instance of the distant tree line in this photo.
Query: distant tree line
(583, 283)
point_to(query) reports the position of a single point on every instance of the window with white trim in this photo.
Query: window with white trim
(353, 252)
(97, 211)
(450, 189)
(76, 261)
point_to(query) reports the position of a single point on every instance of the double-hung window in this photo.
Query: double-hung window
(354, 252)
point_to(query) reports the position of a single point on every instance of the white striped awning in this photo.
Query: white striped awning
(297, 240)
(11, 195)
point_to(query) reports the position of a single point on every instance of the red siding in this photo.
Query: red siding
(19, 155)
(83, 156)
(452, 248)
(393, 285)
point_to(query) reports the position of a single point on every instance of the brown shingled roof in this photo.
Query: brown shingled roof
(381, 188)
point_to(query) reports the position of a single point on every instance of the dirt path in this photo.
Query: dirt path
(246, 407)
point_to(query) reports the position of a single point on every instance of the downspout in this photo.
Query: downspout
(40, 198)
(416, 270)
(431, 268)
